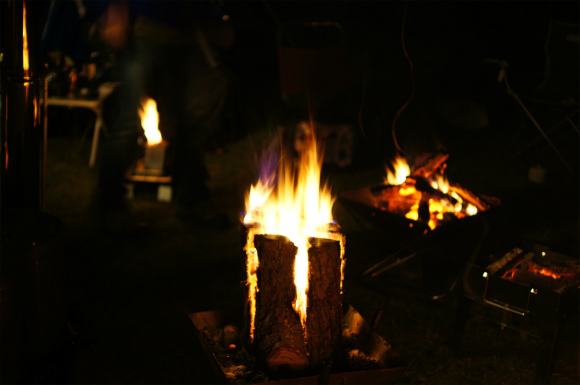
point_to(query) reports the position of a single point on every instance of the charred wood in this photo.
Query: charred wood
(433, 164)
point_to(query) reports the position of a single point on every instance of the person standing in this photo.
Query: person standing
(171, 51)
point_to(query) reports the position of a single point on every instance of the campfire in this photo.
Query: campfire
(295, 264)
(411, 203)
(294, 327)
(155, 147)
(425, 194)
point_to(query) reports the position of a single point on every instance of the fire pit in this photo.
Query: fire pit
(424, 213)
(419, 202)
(364, 356)
(538, 286)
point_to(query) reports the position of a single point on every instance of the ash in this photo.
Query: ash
(238, 365)
(241, 367)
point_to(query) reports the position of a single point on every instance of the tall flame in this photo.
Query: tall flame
(292, 203)
(150, 121)
(25, 62)
(252, 267)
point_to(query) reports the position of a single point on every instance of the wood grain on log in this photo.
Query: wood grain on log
(278, 334)
(324, 314)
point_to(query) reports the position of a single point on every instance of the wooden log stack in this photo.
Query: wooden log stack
(280, 342)
(278, 334)
(324, 311)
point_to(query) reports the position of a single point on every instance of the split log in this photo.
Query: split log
(278, 334)
(436, 162)
(470, 197)
(324, 312)
(388, 198)
(423, 185)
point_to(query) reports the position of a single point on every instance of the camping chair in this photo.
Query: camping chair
(558, 92)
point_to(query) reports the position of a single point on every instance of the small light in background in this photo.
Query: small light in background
(485, 274)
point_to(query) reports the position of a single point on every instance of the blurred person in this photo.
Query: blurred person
(171, 51)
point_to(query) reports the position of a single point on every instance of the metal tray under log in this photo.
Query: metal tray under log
(365, 356)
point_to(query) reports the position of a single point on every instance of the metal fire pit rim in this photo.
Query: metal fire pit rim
(349, 198)
(380, 375)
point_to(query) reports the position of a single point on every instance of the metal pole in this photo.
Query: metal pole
(21, 130)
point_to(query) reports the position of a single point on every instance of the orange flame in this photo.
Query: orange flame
(291, 203)
(252, 267)
(150, 121)
(402, 171)
(546, 272)
(451, 202)
(25, 62)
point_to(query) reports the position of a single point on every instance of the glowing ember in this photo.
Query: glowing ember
(428, 187)
(25, 63)
(547, 273)
(150, 121)
(291, 202)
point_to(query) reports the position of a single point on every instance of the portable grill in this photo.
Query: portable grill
(506, 282)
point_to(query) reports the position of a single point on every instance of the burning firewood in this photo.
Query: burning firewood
(506, 262)
(279, 338)
(433, 164)
(283, 344)
(294, 277)
(425, 195)
(324, 323)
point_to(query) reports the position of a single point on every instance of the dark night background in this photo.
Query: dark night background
(127, 300)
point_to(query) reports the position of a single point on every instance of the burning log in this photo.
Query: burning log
(470, 198)
(423, 185)
(278, 334)
(286, 348)
(536, 280)
(425, 195)
(432, 165)
(567, 273)
(294, 278)
(324, 322)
